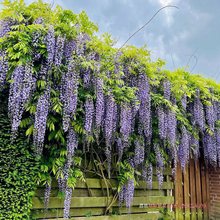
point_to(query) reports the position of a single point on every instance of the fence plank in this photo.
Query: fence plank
(178, 193)
(145, 216)
(83, 202)
(186, 193)
(204, 192)
(198, 190)
(208, 195)
(97, 184)
(192, 190)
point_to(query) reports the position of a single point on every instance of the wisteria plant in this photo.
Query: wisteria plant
(78, 96)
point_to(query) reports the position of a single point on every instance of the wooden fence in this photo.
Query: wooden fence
(191, 192)
(187, 200)
(90, 200)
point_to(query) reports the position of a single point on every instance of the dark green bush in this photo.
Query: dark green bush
(18, 172)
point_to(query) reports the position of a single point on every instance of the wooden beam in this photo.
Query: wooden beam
(83, 202)
(146, 216)
(98, 184)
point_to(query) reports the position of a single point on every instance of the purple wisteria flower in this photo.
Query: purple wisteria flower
(50, 43)
(129, 193)
(100, 104)
(138, 153)
(19, 94)
(184, 147)
(59, 50)
(198, 112)
(145, 104)
(210, 116)
(40, 121)
(47, 193)
(89, 114)
(69, 94)
(217, 136)
(210, 149)
(166, 89)
(162, 122)
(5, 27)
(3, 69)
(147, 174)
(67, 202)
(184, 101)
(125, 122)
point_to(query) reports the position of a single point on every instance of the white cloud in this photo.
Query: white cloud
(168, 12)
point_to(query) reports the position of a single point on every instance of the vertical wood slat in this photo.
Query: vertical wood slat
(198, 190)
(186, 192)
(204, 192)
(192, 190)
(208, 195)
(178, 194)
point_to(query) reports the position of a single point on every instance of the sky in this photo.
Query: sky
(187, 37)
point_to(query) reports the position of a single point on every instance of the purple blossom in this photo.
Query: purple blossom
(59, 49)
(166, 89)
(69, 94)
(72, 144)
(210, 149)
(39, 20)
(70, 46)
(138, 153)
(145, 104)
(217, 110)
(184, 101)
(217, 136)
(5, 26)
(184, 147)
(100, 103)
(134, 110)
(50, 42)
(194, 143)
(129, 193)
(121, 195)
(109, 116)
(162, 122)
(120, 148)
(47, 194)
(159, 173)
(67, 202)
(81, 44)
(89, 114)
(115, 122)
(171, 127)
(125, 122)
(3, 69)
(198, 112)
(41, 120)
(19, 94)
(87, 78)
(210, 116)
(159, 157)
(147, 174)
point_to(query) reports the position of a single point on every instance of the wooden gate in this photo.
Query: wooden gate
(191, 192)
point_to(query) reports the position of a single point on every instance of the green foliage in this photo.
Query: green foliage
(18, 172)
(126, 173)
